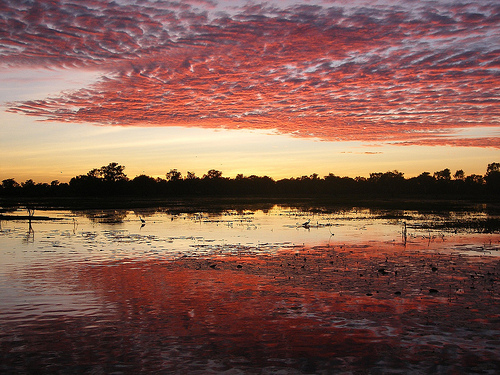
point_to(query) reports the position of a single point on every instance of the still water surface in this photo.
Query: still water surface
(249, 291)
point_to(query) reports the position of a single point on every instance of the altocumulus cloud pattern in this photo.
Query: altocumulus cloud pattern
(399, 72)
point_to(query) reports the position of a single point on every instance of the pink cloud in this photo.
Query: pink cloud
(372, 73)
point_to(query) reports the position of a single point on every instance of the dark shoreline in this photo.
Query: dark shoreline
(26, 217)
(218, 203)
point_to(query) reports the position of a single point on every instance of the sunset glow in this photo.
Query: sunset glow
(282, 88)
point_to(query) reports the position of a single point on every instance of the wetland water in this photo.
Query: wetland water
(279, 290)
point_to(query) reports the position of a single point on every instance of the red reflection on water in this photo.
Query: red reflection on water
(352, 309)
(237, 313)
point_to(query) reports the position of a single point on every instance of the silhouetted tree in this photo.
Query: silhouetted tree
(28, 184)
(10, 187)
(335, 185)
(445, 174)
(86, 185)
(458, 184)
(94, 173)
(386, 183)
(191, 176)
(113, 172)
(28, 187)
(443, 178)
(213, 174)
(10, 183)
(144, 185)
(111, 180)
(475, 179)
(424, 183)
(492, 178)
(252, 185)
(375, 177)
(191, 184)
(174, 175)
(459, 175)
(493, 167)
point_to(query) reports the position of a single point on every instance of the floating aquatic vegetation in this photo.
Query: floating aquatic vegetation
(472, 225)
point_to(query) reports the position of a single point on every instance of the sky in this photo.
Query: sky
(276, 88)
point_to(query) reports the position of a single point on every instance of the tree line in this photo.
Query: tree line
(111, 180)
